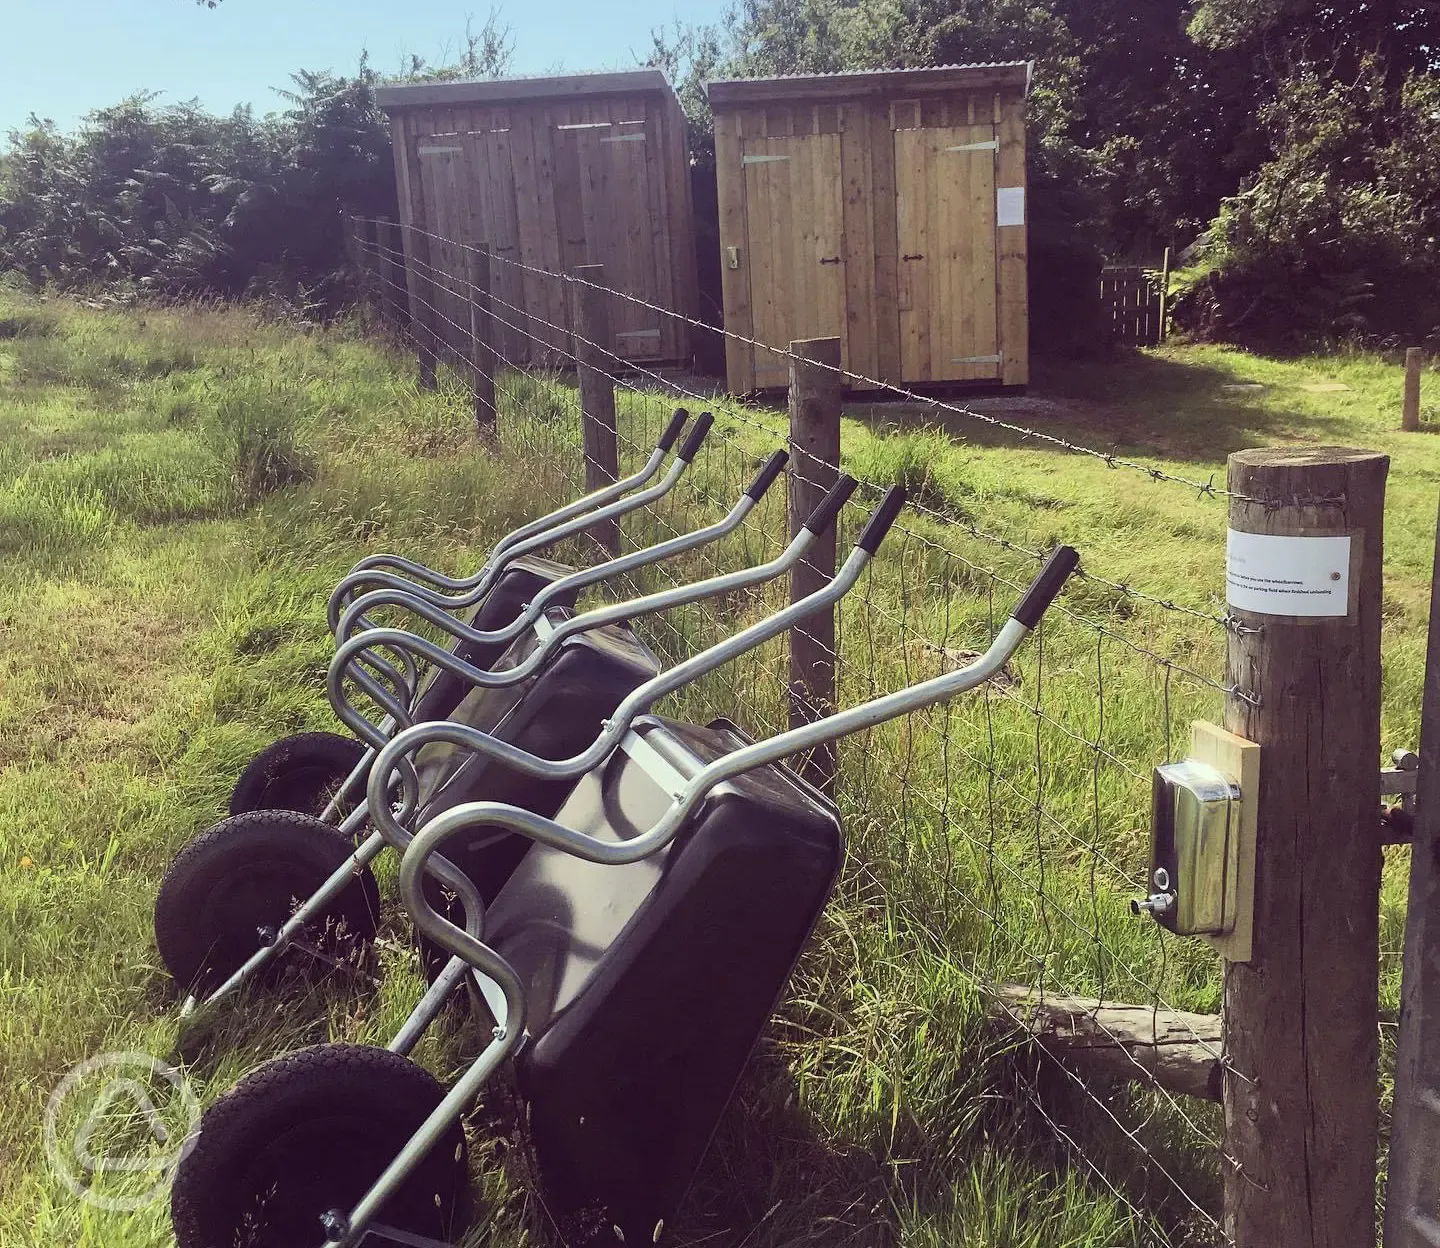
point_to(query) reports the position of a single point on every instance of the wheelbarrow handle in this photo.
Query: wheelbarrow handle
(829, 507)
(695, 439)
(881, 519)
(765, 478)
(1048, 582)
(417, 572)
(672, 430)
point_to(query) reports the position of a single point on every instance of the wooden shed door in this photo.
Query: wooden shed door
(490, 202)
(609, 214)
(945, 212)
(795, 244)
(440, 257)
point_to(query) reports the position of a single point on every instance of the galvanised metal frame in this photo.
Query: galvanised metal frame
(388, 828)
(344, 1229)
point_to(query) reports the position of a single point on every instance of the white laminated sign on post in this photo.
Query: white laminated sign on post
(1268, 574)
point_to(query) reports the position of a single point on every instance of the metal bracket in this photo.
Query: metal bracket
(1397, 822)
(1400, 780)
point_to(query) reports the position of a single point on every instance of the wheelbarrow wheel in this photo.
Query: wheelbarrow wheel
(307, 1134)
(245, 875)
(300, 772)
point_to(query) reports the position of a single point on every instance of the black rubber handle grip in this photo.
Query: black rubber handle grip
(1044, 587)
(829, 507)
(672, 430)
(881, 519)
(696, 436)
(774, 466)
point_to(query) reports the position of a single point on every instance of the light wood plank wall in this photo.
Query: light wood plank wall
(866, 126)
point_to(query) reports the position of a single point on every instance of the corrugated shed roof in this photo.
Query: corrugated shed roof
(849, 83)
(509, 90)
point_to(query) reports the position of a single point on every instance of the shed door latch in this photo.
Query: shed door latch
(829, 259)
(915, 256)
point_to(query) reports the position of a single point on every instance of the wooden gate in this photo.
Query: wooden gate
(945, 206)
(796, 244)
(1134, 301)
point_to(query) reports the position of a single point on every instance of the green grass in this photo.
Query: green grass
(179, 491)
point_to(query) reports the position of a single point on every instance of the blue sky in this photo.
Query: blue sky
(61, 58)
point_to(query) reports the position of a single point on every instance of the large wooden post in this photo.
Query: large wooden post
(391, 249)
(1410, 413)
(420, 285)
(1412, 1196)
(590, 323)
(815, 389)
(364, 249)
(482, 341)
(1300, 1085)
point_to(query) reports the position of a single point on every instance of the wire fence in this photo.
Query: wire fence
(993, 842)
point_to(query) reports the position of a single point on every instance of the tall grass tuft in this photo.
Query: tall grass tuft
(36, 322)
(255, 431)
(909, 460)
(52, 526)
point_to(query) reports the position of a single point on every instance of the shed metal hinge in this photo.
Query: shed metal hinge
(438, 151)
(990, 145)
(638, 137)
(761, 160)
(978, 359)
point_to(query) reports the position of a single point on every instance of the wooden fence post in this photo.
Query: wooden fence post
(1300, 1019)
(482, 340)
(590, 321)
(1412, 1196)
(1164, 332)
(815, 388)
(1410, 414)
(350, 237)
(360, 247)
(420, 288)
(391, 249)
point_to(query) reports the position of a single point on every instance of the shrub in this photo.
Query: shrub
(1336, 237)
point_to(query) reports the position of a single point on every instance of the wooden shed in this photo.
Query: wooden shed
(887, 208)
(551, 173)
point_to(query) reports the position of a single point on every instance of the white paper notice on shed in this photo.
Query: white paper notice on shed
(1273, 575)
(1010, 205)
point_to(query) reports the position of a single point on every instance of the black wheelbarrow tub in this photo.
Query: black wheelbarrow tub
(649, 984)
(516, 588)
(556, 713)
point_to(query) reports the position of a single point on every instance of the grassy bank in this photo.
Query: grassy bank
(178, 492)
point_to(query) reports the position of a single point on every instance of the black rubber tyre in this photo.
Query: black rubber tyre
(249, 872)
(308, 1133)
(301, 773)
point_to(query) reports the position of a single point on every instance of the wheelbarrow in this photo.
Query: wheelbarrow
(632, 959)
